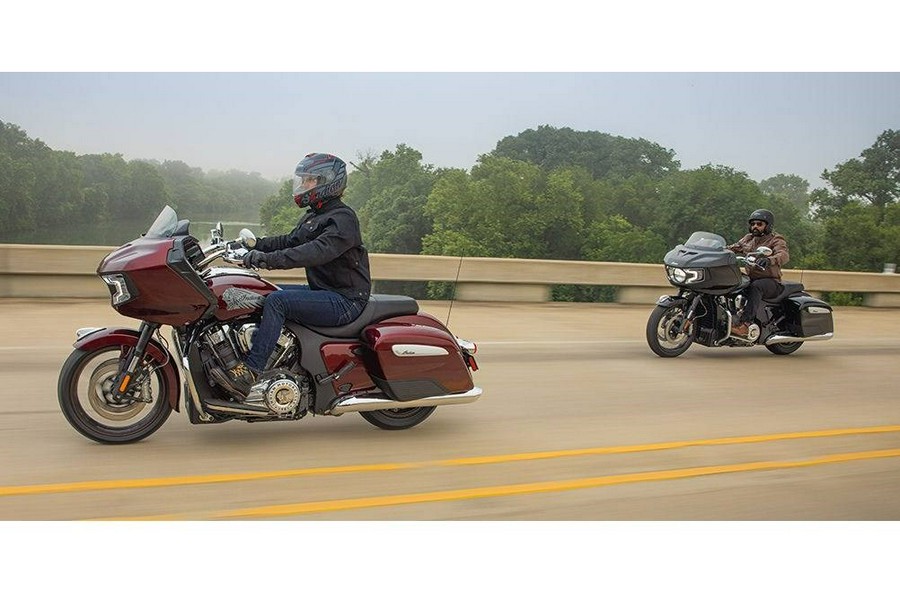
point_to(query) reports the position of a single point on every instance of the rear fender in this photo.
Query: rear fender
(124, 336)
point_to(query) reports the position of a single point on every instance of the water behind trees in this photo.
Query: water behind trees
(116, 233)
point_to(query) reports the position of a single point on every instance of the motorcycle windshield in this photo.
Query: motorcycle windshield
(164, 225)
(707, 241)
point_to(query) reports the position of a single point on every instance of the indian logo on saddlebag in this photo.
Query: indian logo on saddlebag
(240, 298)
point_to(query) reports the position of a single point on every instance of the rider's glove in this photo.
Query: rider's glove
(255, 259)
(763, 263)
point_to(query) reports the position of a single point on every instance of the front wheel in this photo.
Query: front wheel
(397, 418)
(665, 334)
(784, 349)
(87, 400)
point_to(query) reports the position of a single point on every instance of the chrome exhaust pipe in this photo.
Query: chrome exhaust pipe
(369, 404)
(777, 339)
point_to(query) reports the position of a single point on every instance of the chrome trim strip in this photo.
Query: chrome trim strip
(792, 339)
(227, 410)
(369, 404)
(226, 271)
(418, 350)
(466, 345)
(84, 331)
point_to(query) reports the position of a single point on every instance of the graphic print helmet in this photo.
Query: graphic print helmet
(319, 177)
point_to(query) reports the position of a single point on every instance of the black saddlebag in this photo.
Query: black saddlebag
(808, 316)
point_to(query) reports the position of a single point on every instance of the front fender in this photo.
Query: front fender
(124, 336)
(668, 300)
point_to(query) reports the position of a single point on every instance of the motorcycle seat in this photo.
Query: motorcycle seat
(381, 306)
(787, 289)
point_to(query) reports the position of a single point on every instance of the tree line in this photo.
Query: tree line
(558, 193)
(41, 187)
(545, 193)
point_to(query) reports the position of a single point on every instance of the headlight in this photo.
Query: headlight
(685, 276)
(118, 288)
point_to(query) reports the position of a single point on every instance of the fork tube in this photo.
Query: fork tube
(689, 317)
(136, 355)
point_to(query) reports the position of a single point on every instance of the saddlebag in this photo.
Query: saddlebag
(808, 316)
(409, 361)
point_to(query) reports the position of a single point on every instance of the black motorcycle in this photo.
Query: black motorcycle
(711, 295)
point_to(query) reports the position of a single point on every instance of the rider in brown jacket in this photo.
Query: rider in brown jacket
(765, 277)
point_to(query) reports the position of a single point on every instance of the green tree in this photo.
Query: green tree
(616, 239)
(711, 198)
(874, 177)
(793, 188)
(857, 241)
(389, 194)
(506, 208)
(600, 153)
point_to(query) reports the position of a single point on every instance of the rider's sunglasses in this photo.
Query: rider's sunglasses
(758, 223)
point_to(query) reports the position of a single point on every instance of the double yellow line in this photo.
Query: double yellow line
(463, 461)
(471, 493)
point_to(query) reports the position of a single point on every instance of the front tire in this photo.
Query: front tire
(397, 418)
(784, 349)
(663, 334)
(85, 384)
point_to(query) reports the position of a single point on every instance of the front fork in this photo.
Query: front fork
(689, 316)
(127, 371)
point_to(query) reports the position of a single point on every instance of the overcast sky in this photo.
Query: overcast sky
(763, 124)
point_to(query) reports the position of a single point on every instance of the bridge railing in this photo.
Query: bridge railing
(35, 271)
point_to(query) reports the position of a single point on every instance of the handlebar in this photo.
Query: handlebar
(749, 260)
(232, 253)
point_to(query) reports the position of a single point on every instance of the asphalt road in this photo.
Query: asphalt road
(579, 421)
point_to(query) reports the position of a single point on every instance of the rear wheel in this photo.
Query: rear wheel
(665, 334)
(784, 349)
(87, 400)
(397, 418)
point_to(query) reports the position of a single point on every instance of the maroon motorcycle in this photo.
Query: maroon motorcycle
(393, 364)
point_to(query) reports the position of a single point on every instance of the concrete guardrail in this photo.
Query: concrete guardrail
(35, 271)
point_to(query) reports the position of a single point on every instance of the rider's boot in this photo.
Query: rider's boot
(740, 330)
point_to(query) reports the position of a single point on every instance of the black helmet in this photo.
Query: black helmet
(329, 174)
(764, 215)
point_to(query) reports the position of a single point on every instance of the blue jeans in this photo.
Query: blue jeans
(298, 302)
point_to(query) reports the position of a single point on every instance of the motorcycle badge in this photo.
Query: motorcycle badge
(240, 298)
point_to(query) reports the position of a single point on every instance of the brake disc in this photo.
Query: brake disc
(101, 398)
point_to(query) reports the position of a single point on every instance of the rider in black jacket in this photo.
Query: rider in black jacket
(327, 242)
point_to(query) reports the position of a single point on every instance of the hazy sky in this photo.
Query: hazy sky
(763, 124)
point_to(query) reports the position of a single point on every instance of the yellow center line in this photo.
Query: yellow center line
(326, 506)
(86, 486)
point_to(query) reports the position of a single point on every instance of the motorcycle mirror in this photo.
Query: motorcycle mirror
(248, 237)
(764, 251)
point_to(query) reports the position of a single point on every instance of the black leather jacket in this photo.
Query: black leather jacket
(328, 243)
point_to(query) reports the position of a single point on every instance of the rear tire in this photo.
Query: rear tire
(84, 398)
(784, 349)
(397, 418)
(661, 336)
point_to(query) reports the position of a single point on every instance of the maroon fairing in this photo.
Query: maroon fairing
(163, 295)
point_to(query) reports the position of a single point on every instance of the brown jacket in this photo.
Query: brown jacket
(773, 241)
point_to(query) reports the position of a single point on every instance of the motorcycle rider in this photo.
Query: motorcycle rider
(765, 277)
(328, 243)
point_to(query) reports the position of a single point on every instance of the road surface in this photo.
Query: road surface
(579, 421)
